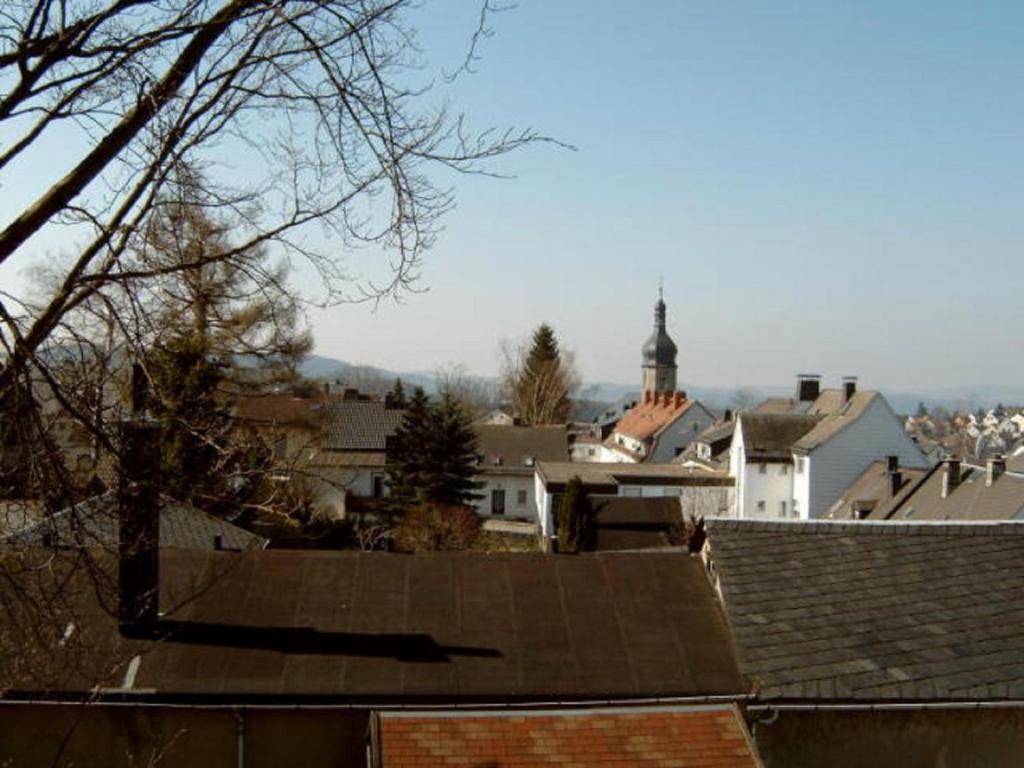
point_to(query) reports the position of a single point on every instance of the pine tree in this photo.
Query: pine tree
(395, 398)
(407, 453)
(541, 383)
(452, 455)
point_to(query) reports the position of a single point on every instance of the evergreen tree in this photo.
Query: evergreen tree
(540, 383)
(407, 453)
(452, 457)
(574, 526)
(922, 409)
(395, 398)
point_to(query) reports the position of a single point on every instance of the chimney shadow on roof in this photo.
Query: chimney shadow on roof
(409, 647)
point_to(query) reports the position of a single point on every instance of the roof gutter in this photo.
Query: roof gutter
(885, 706)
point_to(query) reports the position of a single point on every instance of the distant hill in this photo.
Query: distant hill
(597, 394)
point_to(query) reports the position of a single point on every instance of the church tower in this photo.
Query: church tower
(659, 355)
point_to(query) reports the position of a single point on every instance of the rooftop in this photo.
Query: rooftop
(874, 611)
(651, 416)
(872, 490)
(359, 425)
(516, 449)
(708, 736)
(971, 500)
(771, 436)
(613, 474)
(444, 627)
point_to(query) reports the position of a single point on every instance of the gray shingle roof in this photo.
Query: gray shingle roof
(771, 436)
(971, 500)
(517, 449)
(359, 425)
(93, 524)
(865, 611)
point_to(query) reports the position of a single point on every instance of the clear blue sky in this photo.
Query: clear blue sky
(830, 187)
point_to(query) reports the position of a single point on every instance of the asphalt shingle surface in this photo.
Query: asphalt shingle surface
(875, 611)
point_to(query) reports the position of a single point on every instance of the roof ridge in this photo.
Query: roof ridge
(872, 527)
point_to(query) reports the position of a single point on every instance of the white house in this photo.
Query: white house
(793, 458)
(508, 457)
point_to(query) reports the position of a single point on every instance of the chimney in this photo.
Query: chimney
(728, 415)
(994, 467)
(950, 476)
(677, 399)
(138, 509)
(849, 388)
(892, 467)
(647, 396)
(808, 387)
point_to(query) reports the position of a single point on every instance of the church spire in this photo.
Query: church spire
(659, 353)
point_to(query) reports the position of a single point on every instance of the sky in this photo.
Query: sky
(821, 187)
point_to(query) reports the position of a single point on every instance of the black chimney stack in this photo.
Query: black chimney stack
(808, 387)
(849, 388)
(892, 466)
(138, 510)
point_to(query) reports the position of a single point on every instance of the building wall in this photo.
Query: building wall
(331, 485)
(99, 736)
(979, 738)
(515, 487)
(772, 489)
(837, 463)
(681, 433)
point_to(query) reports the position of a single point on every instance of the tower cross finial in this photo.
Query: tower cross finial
(661, 288)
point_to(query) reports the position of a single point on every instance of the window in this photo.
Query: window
(591, 451)
(783, 469)
(498, 502)
(762, 468)
(520, 498)
(378, 486)
(760, 505)
(782, 509)
(632, 492)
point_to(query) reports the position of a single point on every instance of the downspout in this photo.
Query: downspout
(240, 731)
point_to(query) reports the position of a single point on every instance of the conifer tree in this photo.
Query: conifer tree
(395, 398)
(451, 449)
(540, 383)
(407, 454)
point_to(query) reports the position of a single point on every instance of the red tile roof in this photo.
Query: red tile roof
(710, 737)
(649, 417)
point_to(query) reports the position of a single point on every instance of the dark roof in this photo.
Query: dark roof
(884, 611)
(971, 500)
(872, 489)
(659, 350)
(712, 736)
(515, 449)
(279, 409)
(610, 474)
(771, 436)
(627, 523)
(352, 626)
(359, 425)
(93, 524)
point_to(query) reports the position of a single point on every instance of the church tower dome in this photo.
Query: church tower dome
(659, 355)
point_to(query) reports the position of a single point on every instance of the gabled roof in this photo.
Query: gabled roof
(279, 409)
(971, 500)
(837, 416)
(871, 490)
(94, 524)
(505, 448)
(629, 523)
(359, 425)
(649, 417)
(712, 736)
(874, 611)
(771, 436)
(612, 474)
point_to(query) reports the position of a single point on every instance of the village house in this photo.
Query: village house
(794, 457)
(508, 457)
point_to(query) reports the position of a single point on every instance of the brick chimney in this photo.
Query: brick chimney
(138, 513)
(950, 476)
(677, 399)
(647, 396)
(849, 388)
(994, 467)
(808, 387)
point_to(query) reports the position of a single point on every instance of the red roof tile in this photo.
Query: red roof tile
(647, 419)
(709, 736)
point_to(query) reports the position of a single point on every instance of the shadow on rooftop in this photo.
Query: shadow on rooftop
(412, 646)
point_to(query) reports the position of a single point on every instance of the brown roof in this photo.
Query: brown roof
(971, 500)
(771, 436)
(348, 459)
(512, 449)
(613, 474)
(441, 627)
(627, 523)
(648, 418)
(706, 736)
(279, 409)
(871, 489)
